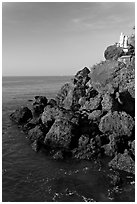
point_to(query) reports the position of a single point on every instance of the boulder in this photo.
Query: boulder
(21, 115)
(49, 115)
(119, 123)
(63, 130)
(36, 133)
(107, 102)
(38, 105)
(58, 155)
(35, 146)
(82, 77)
(52, 102)
(113, 52)
(69, 95)
(95, 115)
(62, 94)
(92, 104)
(32, 123)
(83, 141)
(123, 162)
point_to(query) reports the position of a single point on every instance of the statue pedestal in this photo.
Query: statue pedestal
(125, 59)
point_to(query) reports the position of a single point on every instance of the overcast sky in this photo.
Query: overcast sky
(53, 38)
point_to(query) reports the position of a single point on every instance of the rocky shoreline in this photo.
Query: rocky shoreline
(91, 117)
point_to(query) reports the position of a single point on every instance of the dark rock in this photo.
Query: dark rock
(40, 100)
(52, 102)
(127, 103)
(83, 141)
(21, 115)
(115, 178)
(117, 144)
(119, 123)
(113, 52)
(36, 134)
(123, 162)
(132, 147)
(69, 95)
(63, 130)
(49, 115)
(35, 146)
(38, 105)
(32, 123)
(58, 155)
(82, 77)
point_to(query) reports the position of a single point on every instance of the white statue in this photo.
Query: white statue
(121, 40)
(126, 42)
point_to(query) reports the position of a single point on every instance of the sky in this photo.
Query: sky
(60, 38)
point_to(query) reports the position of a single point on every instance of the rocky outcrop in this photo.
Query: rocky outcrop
(90, 117)
(123, 162)
(21, 115)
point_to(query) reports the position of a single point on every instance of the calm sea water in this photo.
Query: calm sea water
(35, 177)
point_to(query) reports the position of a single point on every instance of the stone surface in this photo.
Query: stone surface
(36, 134)
(58, 155)
(92, 104)
(95, 115)
(107, 102)
(113, 52)
(21, 115)
(35, 146)
(62, 131)
(49, 115)
(123, 162)
(38, 105)
(119, 123)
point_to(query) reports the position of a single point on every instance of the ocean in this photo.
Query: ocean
(28, 176)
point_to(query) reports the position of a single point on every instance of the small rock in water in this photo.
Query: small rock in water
(35, 146)
(58, 155)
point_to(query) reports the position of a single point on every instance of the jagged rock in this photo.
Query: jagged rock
(113, 52)
(38, 105)
(107, 102)
(132, 146)
(21, 115)
(69, 95)
(83, 141)
(62, 94)
(119, 123)
(82, 101)
(36, 133)
(32, 123)
(123, 162)
(92, 104)
(58, 155)
(49, 115)
(52, 102)
(115, 178)
(35, 145)
(82, 77)
(40, 100)
(127, 103)
(87, 149)
(95, 115)
(62, 131)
